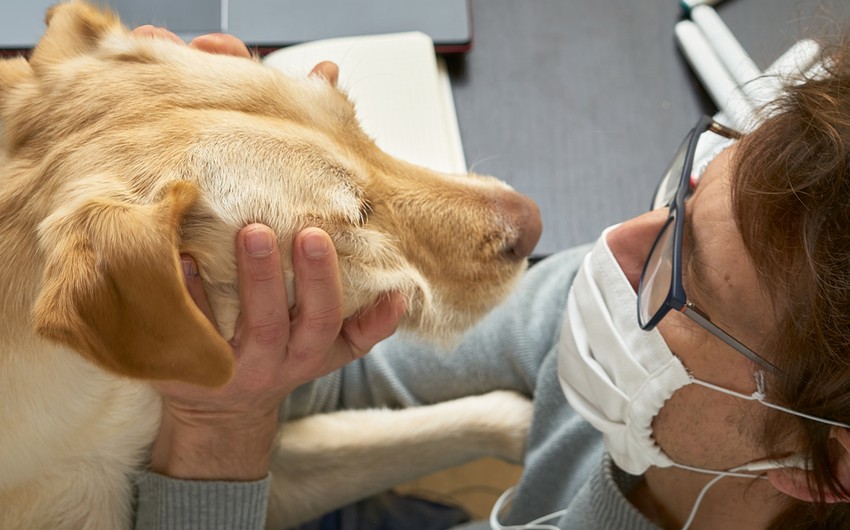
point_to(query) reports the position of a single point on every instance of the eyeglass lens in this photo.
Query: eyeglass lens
(670, 181)
(658, 275)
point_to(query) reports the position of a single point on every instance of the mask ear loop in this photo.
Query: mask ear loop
(759, 395)
(797, 461)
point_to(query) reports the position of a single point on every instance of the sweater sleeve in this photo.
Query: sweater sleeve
(164, 503)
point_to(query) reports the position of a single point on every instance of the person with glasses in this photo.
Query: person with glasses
(691, 369)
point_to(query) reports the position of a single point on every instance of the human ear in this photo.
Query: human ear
(794, 482)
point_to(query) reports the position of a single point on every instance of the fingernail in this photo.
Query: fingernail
(190, 270)
(315, 246)
(258, 243)
(207, 38)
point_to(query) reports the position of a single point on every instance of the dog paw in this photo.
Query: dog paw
(508, 415)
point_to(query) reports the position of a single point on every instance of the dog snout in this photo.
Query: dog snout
(523, 225)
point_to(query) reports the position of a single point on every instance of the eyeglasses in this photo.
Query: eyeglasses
(660, 288)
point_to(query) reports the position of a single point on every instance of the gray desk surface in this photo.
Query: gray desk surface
(580, 103)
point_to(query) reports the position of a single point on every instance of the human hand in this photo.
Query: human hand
(227, 433)
(224, 44)
(220, 43)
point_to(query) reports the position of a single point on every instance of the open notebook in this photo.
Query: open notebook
(400, 89)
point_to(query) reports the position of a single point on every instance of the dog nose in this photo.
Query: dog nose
(524, 225)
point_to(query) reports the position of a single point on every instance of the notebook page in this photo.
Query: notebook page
(400, 89)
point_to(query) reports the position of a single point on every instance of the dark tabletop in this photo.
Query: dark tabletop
(580, 103)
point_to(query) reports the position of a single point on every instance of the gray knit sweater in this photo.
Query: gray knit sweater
(515, 347)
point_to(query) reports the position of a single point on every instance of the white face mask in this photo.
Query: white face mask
(618, 376)
(614, 374)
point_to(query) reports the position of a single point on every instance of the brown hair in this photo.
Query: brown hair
(791, 200)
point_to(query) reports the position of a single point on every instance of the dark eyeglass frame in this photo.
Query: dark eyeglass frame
(676, 298)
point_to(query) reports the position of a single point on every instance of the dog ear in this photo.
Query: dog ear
(114, 291)
(73, 28)
(13, 72)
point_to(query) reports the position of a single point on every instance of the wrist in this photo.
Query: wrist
(213, 448)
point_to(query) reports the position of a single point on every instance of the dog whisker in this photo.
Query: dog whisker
(483, 160)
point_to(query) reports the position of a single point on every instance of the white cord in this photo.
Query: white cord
(536, 524)
(702, 493)
(797, 461)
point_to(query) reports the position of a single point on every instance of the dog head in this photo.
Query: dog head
(124, 152)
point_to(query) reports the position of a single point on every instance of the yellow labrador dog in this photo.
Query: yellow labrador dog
(118, 153)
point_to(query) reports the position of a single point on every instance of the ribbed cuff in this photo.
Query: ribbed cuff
(165, 503)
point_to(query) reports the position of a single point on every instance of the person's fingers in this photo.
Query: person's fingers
(220, 43)
(327, 69)
(156, 33)
(318, 294)
(195, 286)
(362, 331)
(264, 320)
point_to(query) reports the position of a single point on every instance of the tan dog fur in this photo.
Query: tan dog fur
(118, 153)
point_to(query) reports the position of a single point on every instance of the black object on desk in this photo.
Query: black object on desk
(265, 23)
